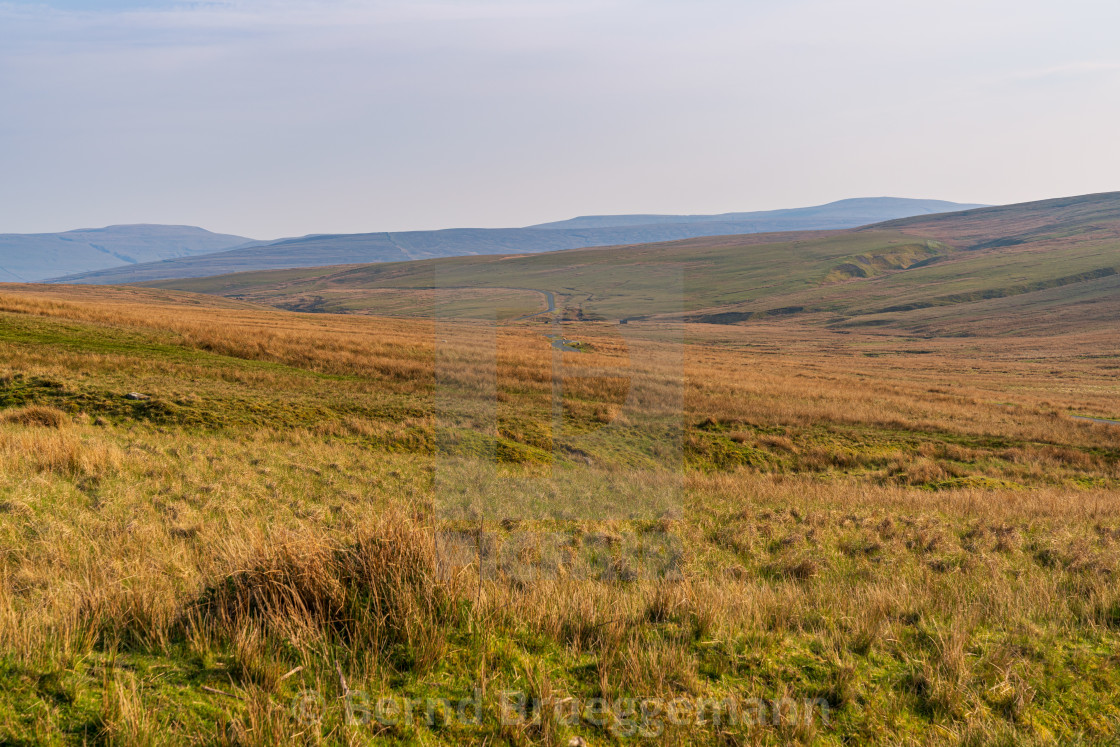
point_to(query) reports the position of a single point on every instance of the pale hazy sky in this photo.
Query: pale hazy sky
(284, 117)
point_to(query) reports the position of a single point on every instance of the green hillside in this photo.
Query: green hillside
(1021, 267)
(589, 231)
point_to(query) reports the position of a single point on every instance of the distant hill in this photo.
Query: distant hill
(841, 214)
(320, 250)
(36, 257)
(1050, 267)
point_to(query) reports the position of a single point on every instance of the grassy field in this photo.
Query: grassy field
(895, 539)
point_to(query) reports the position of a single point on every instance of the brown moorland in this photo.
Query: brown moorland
(914, 534)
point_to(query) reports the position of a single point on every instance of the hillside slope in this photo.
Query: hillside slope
(320, 250)
(1039, 267)
(36, 257)
(840, 214)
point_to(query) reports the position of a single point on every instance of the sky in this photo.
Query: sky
(270, 118)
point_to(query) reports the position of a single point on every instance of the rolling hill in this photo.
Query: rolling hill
(840, 214)
(36, 257)
(1033, 268)
(222, 509)
(319, 250)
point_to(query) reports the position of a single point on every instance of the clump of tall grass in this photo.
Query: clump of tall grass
(385, 592)
(40, 415)
(60, 451)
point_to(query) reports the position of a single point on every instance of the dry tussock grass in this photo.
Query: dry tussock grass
(47, 417)
(383, 593)
(238, 556)
(770, 563)
(62, 452)
(795, 378)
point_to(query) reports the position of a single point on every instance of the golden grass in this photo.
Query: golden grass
(143, 561)
(762, 374)
(47, 417)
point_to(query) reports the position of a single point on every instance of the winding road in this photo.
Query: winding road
(549, 296)
(558, 342)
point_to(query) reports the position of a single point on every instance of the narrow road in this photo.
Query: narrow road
(549, 296)
(562, 344)
(558, 342)
(1106, 421)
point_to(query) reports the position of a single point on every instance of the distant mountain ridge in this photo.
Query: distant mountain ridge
(37, 257)
(1039, 268)
(865, 210)
(586, 232)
